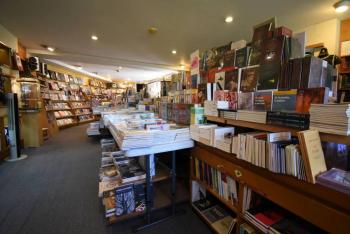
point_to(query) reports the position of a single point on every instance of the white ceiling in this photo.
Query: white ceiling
(184, 25)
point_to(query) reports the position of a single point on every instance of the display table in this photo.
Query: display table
(149, 152)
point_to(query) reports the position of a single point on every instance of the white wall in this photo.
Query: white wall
(326, 32)
(8, 38)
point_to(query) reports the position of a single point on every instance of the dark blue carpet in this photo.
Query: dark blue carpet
(55, 191)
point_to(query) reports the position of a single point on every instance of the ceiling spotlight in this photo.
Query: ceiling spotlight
(152, 30)
(341, 6)
(182, 66)
(228, 19)
(120, 68)
(79, 67)
(49, 48)
(94, 37)
(173, 52)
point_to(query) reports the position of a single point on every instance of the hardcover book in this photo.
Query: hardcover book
(229, 58)
(220, 80)
(245, 101)
(312, 153)
(194, 81)
(232, 99)
(220, 95)
(249, 79)
(312, 95)
(262, 101)
(271, 60)
(296, 72)
(242, 55)
(254, 55)
(232, 80)
(311, 72)
(284, 100)
(202, 92)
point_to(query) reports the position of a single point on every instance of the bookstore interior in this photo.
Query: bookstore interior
(240, 126)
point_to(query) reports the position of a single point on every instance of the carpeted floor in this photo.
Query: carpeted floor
(55, 191)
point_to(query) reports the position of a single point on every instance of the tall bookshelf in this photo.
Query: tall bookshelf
(321, 206)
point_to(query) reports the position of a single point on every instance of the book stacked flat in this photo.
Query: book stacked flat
(93, 129)
(195, 130)
(252, 116)
(336, 179)
(210, 108)
(223, 138)
(330, 118)
(229, 114)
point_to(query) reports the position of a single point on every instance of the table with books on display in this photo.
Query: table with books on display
(140, 136)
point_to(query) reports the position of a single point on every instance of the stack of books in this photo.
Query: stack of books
(197, 131)
(336, 179)
(330, 118)
(252, 116)
(210, 108)
(223, 138)
(229, 114)
(93, 129)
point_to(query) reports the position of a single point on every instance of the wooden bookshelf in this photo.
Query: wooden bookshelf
(319, 205)
(327, 137)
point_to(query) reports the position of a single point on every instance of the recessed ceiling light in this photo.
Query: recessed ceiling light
(341, 6)
(182, 66)
(228, 19)
(49, 48)
(152, 30)
(79, 67)
(94, 37)
(173, 51)
(120, 68)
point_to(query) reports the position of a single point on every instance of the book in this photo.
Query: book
(229, 58)
(220, 80)
(202, 92)
(194, 81)
(232, 99)
(311, 95)
(124, 200)
(131, 172)
(242, 55)
(270, 64)
(284, 100)
(232, 80)
(312, 153)
(336, 179)
(197, 115)
(311, 72)
(249, 79)
(262, 101)
(245, 101)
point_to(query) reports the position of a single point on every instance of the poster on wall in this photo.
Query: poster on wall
(195, 63)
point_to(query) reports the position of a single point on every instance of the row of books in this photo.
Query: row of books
(220, 219)
(61, 114)
(67, 121)
(276, 152)
(297, 100)
(93, 129)
(224, 185)
(268, 217)
(64, 77)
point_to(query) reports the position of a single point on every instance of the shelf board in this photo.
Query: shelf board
(213, 192)
(60, 109)
(326, 137)
(86, 121)
(65, 117)
(67, 125)
(76, 108)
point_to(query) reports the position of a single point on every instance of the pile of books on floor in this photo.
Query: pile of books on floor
(252, 116)
(270, 218)
(93, 129)
(220, 219)
(276, 152)
(330, 118)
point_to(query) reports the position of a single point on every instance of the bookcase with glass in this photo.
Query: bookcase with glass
(276, 137)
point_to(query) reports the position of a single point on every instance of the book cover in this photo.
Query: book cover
(229, 58)
(262, 101)
(311, 95)
(312, 153)
(254, 55)
(336, 179)
(220, 95)
(245, 101)
(241, 57)
(296, 73)
(284, 100)
(270, 64)
(202, 93)
(194, 81)
(232, 98)
(249, 79)
(195, 63)
(220, 80)
(311, 72)
(232, 80)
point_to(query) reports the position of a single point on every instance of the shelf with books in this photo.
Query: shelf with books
(285, 191)
(64, 117)
(327, 137)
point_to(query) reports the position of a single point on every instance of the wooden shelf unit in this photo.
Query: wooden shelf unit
(327, 137)
(319, 205)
